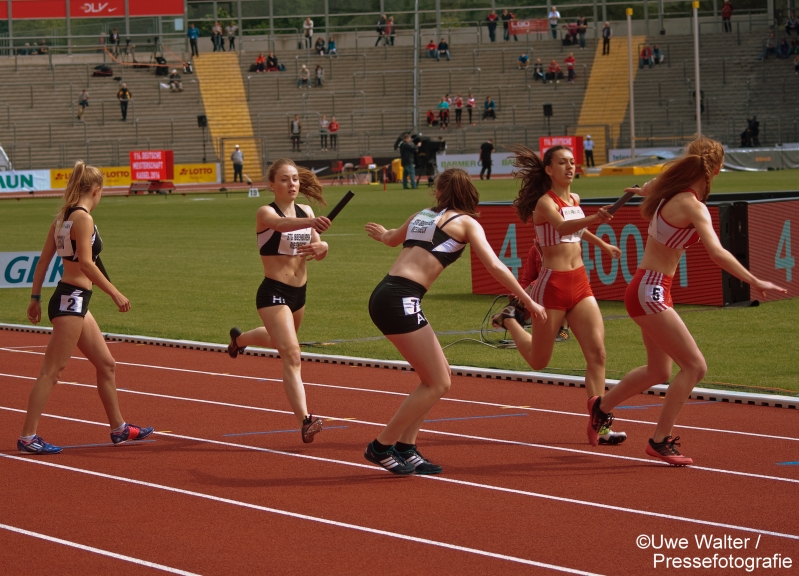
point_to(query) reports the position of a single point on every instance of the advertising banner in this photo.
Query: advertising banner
(39, 9)
(151, 165)
(196, 173)
(574, 143)
(17, 268)
(24, 181)
(773, 243)
(112, 176)
(500, 163)
(527, 26)
(95, 9)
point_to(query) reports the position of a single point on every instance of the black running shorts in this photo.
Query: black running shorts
(396, 306)
(68, 300)
(274, 293)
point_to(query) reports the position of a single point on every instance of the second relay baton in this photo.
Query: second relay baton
(621, 201)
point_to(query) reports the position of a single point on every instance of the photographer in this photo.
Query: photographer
(408, 158)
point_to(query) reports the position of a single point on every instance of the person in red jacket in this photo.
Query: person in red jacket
(570, 66)
(555, 73)
(646, 57)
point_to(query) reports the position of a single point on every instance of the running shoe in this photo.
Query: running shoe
(667, 452)
(390, 460)
(608, 436)
(311, 427)
(37, 446)
(498, 320)
(520, 312)
(233, 348)
(563, 335)
(422, 465)
(596, 420)
(129, 433)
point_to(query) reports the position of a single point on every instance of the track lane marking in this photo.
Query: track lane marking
(299, 516)
(429, 431)
(95, 550)
(446, 480)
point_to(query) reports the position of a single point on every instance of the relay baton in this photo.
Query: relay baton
(621, 201)
(340, 206)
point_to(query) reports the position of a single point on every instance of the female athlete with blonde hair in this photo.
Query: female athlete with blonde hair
(562, 286)
(674, 202)
(74, 237)
(288, 236)
(396, 308)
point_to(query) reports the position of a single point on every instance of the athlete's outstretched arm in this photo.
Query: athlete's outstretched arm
(393, 237)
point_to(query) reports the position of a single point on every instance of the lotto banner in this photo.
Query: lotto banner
(196, 173)
(120, 175)
(38, 9)
(773, 232)
(696, 281)
(516, 27)
(112, 176)
(17, 268)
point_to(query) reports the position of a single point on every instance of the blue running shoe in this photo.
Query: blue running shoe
(37, 446)
(130, 432)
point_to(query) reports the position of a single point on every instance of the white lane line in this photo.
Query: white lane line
(96, 550)
(446, 480)
(306, 517)
(445, 399)
(439, 432)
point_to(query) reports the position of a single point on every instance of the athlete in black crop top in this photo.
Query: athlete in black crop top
(395, 308)
(74, 237)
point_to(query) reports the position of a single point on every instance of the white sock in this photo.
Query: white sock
(120, 429)
(27, 439)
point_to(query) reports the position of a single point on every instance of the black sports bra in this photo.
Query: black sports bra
(423, 231)
(274, 243)
(66, 247)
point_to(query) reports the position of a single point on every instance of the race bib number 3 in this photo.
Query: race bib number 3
(71, 303)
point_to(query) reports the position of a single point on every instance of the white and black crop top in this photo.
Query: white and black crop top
(423, 231)
(66, 247)
(274, 243)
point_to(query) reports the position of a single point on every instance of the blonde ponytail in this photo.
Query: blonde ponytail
(83, 180)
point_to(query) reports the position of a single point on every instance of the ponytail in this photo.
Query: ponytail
(535, 180)
(83, 180)
(310, 187)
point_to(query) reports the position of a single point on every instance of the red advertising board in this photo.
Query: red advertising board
(96, 9)
(697, 280)
(527, 26)
(39, 9)
(574, 143)
(152, 165)
(773, 232)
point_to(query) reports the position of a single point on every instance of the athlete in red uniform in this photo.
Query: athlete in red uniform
(562, 286)
(679, 218)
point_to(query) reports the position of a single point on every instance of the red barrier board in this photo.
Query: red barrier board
(38, 9)
(696, 281)
(773, 232)
(573, 143)
(527, 26)
(152, 165)
(95, 9)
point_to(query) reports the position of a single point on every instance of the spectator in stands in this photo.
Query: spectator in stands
(193, 34)
(783, 49)
(796, 65)
(333, 129)
(43, 49)
(795, 46)
(175, 83)
(271, 63)
(331, 47)
(238, 163)
(27, 50)
(320, 76)
(83, 103)
(492, 25)
(307, 32)
(570, 67)
(657, 54)
(554, 74)
(746, 138)
(324, 128)
(389, 32)
(792, 25)
(260, 63)
(471, 104)
(295, 131)
(726, 15)
(771, 48)
(538, 70)
(489, 109)
(607, 32)
(124, 97)
(507, 16)
(645, 57)
(113, 39)
(458, 110)
(432, 49)
(304, 77)
(381, 29)
(216, 37)
(582, 27)
(486, 148)
(553, 18)
(524, 61)
(571, 34)
(319, 47)
(588, 148)
(431, 119)
(443, 114)
(754, 129)
(443, 48)
(231, 30)
(408, 160)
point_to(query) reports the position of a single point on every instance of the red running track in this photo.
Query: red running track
(522, 491)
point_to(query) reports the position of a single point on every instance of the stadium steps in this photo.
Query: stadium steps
(227, 111)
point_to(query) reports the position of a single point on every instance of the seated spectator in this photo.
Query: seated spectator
(431, 119)
(796, 65)
(784, 49)
(320, 76)
(571, 34)
(489, 110)
(175, 83)
(260, 63)
(443, 48)
(304, 78)
(524, 61)
(27, 50)
(792, 25)
(43, 47)
(555, 74)
(319, 47)
(657, 55)
(646, 57)
(331, 47)
(538, 70)
(795, 46)
(770, 49)
(746, 138)
(432, 49)
(271, 63)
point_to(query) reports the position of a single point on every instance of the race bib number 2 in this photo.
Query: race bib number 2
(71, 303)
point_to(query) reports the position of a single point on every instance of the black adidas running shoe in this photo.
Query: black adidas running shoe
(390, 460)
(421, 464)
(233, 348)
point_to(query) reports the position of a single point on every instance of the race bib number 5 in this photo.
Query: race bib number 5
(71, 303)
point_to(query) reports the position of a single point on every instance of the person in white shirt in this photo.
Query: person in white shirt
(553, 17)
(307, 31)
(588, 148)
(324, 124)
(238, 163)
(231, 30)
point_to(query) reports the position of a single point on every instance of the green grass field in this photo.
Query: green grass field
(191, 268)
